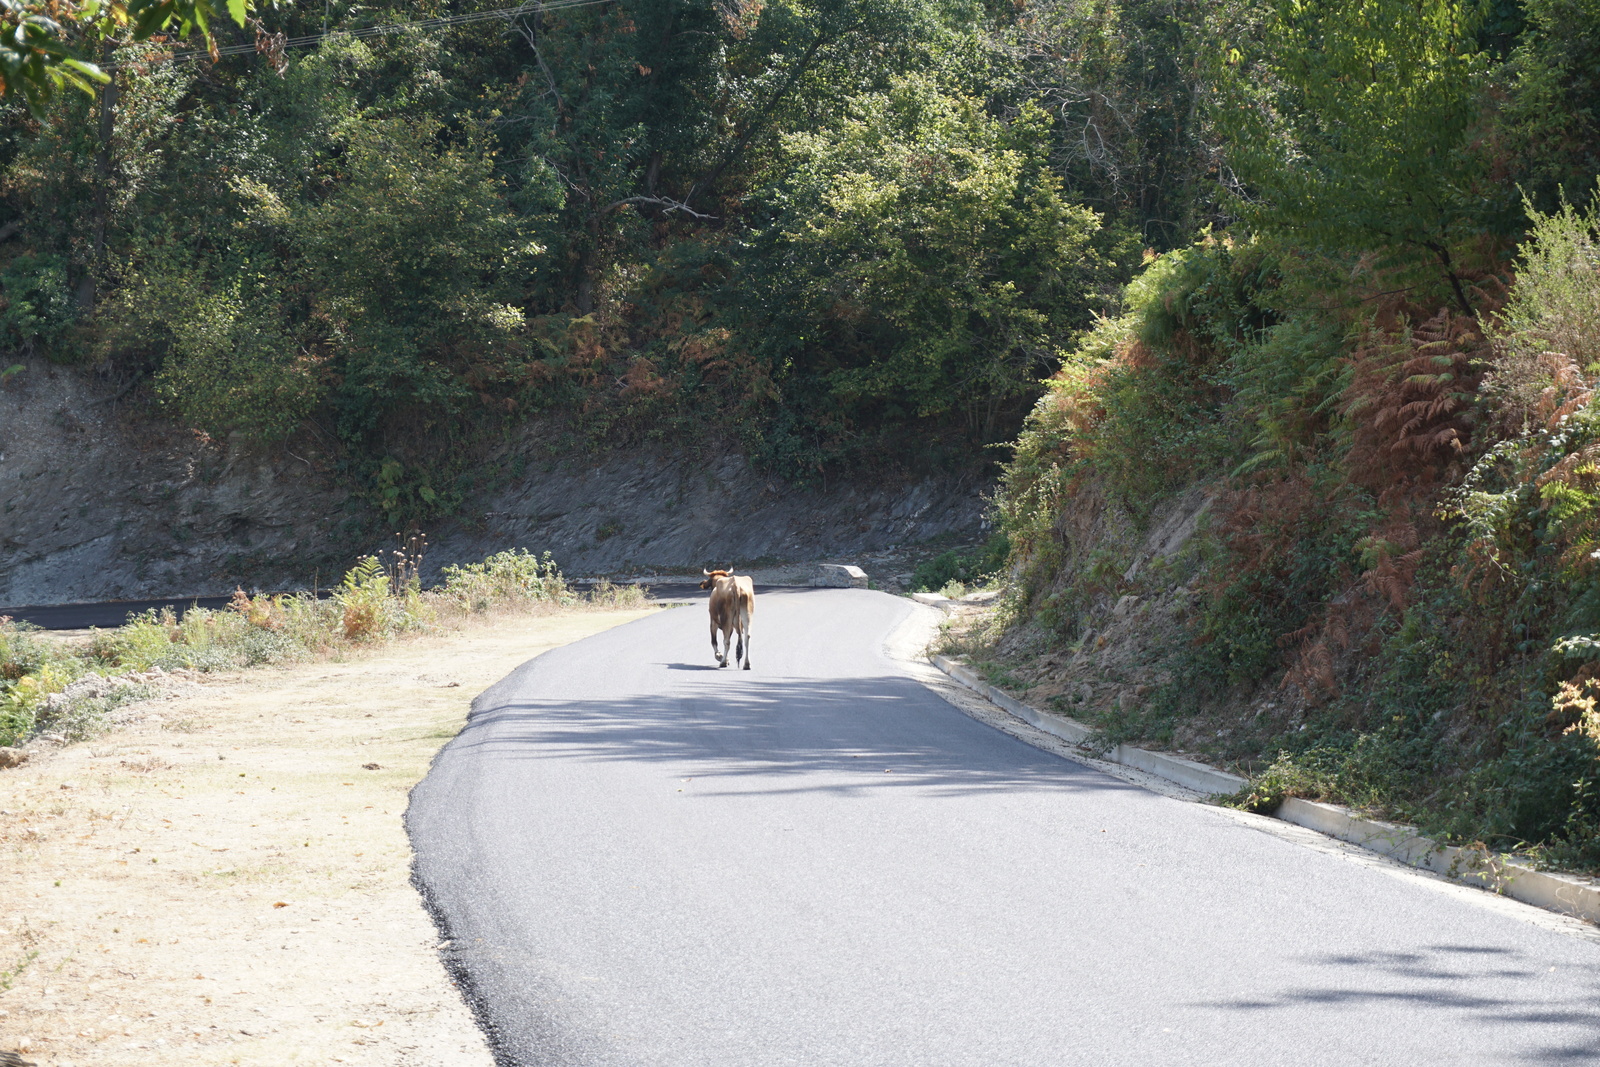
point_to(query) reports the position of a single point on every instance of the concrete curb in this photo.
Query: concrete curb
(1564, 894)
(1187, 773)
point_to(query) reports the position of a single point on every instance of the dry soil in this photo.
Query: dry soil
(226, 880)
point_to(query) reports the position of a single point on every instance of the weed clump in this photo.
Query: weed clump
(958, 570)
(516, 576)
(61, 694)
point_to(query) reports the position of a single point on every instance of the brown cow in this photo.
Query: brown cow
(733, 601)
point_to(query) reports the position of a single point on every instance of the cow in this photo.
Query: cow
(733, 601)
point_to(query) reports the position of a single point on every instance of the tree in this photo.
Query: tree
(921, 258)
(1352, 129)
(1122, 80)
(46, 45)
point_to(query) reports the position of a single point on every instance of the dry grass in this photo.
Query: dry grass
(225, 882)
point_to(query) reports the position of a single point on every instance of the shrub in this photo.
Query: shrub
(39, 307)
(363, 600)
(515, 576)
(49, 691)
(962, 568)
(606, 595)
(20, 708)
(83, 708)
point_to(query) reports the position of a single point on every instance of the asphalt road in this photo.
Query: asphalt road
(105, 613)
(643, 860)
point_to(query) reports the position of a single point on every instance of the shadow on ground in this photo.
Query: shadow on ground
(1434, 979)
(845, 737)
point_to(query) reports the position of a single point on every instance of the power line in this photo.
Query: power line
(503, 13)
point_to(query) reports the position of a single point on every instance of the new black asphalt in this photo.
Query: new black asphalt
(104, 613)
(644, 860)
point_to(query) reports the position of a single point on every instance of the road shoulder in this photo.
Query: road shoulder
(910, 646)
(226, 879)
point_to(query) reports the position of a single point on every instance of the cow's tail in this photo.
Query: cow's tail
(747, 608)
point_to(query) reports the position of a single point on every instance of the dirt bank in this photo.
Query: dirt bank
(106, 501)
(226, 880)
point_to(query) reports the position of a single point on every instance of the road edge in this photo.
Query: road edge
(1565, 894)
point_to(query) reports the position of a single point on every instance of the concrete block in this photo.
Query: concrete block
(840, 576)
(933, 600)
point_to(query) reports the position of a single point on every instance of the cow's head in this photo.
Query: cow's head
(712, 576)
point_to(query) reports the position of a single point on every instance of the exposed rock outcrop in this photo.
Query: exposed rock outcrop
(102, 501)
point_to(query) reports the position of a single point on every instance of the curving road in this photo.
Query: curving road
(646, 861)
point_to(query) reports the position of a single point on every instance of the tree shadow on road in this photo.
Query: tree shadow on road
(1437, 978)
(850, 736)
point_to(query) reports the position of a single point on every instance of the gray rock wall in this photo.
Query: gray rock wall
(638, 513)
(101, 501)
(97, 503)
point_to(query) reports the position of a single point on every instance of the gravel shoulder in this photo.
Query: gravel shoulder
(226, 878)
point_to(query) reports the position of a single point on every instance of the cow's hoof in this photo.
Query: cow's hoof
(747, 666)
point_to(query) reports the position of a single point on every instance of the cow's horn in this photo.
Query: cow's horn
(705, 572)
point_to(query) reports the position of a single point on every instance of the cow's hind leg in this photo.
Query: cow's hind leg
(722, 658)
(744, 641)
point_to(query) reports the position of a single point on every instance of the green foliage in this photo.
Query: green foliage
(1123, 79)
(39, 55)
(233, 367)
(32, 669)
(1550, 131)
(408, 263)
(964, 568)
(363, 601)
(1356, 128)
(515, 575)
(1550, 326)
(921, 262)
(1144, 404)
(39, 310)
(49, 689)
(1398, 580)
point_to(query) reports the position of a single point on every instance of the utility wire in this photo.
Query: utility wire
(504, 13)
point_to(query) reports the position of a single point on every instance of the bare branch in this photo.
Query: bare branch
(661, 201)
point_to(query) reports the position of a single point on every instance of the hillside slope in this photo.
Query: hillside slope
(104, 502)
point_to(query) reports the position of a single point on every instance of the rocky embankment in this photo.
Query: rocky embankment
(102, 500)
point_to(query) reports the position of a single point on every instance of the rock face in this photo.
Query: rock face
(1110, 659)
(635, 512)
(101, 502)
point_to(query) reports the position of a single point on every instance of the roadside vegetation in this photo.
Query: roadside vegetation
(1381, 376)
(68, 692)
(1324, 274)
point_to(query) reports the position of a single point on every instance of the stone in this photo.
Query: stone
(840, 576)
(12, 757)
